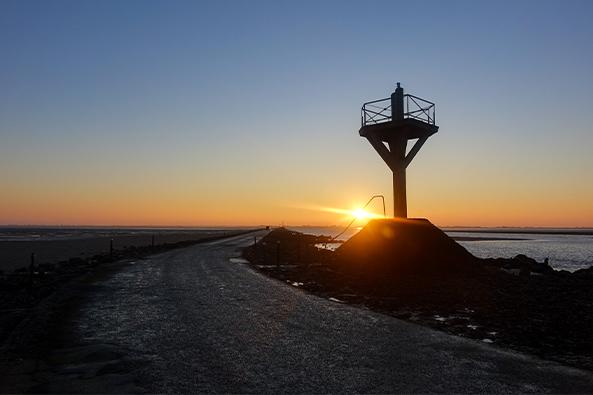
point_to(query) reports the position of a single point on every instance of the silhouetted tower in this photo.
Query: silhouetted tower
(388, 124)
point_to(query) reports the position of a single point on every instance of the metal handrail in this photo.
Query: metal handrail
(373, 113)
(425, 108)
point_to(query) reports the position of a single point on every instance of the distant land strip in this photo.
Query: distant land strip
(543, 231)
(471, 238)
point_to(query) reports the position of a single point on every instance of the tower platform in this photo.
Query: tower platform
(407, 128)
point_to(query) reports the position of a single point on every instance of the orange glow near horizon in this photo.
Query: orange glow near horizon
(103, 216)
(136, 209)
(182, 191)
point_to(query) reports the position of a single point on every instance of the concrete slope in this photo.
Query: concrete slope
(197, 321)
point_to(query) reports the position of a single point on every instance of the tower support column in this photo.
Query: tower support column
(397, 146)
(397, 163)
(400, 205)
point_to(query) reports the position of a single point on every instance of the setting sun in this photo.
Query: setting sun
(361, 213)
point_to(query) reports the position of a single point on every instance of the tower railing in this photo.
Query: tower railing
(379, 111)
(420, 109)
(376, 111)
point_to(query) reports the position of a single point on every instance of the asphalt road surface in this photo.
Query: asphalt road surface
(199, 321)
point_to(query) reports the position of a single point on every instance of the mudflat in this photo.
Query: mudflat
(16, 254)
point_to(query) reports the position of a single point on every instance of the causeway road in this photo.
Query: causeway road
(198, 320)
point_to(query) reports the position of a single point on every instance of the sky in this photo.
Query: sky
(247, 112)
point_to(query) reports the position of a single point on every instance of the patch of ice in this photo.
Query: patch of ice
(474, 327)
(238, 260)
(328, 246)
(336, 300)
(439, 318)
(489, 341)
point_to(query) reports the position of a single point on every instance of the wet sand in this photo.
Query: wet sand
(16, 254)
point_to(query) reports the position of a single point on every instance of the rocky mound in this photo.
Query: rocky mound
(400, 246)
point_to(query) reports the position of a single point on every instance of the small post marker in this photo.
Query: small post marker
(278, 254)
(31, 270)
(111, 248)
(152, 240)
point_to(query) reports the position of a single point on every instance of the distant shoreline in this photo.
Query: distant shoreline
(542, 231)
(577, 231)
(470, 238)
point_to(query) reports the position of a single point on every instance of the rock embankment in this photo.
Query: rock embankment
(412, 270)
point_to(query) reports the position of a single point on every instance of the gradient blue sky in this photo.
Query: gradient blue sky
(247, 112)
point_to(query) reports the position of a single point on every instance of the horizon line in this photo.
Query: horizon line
(273, 226)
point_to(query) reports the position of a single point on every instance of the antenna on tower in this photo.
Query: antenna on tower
(388, 124)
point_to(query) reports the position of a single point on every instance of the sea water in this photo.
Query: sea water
(564, 251)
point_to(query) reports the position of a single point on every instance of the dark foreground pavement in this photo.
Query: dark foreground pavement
(195, 320)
